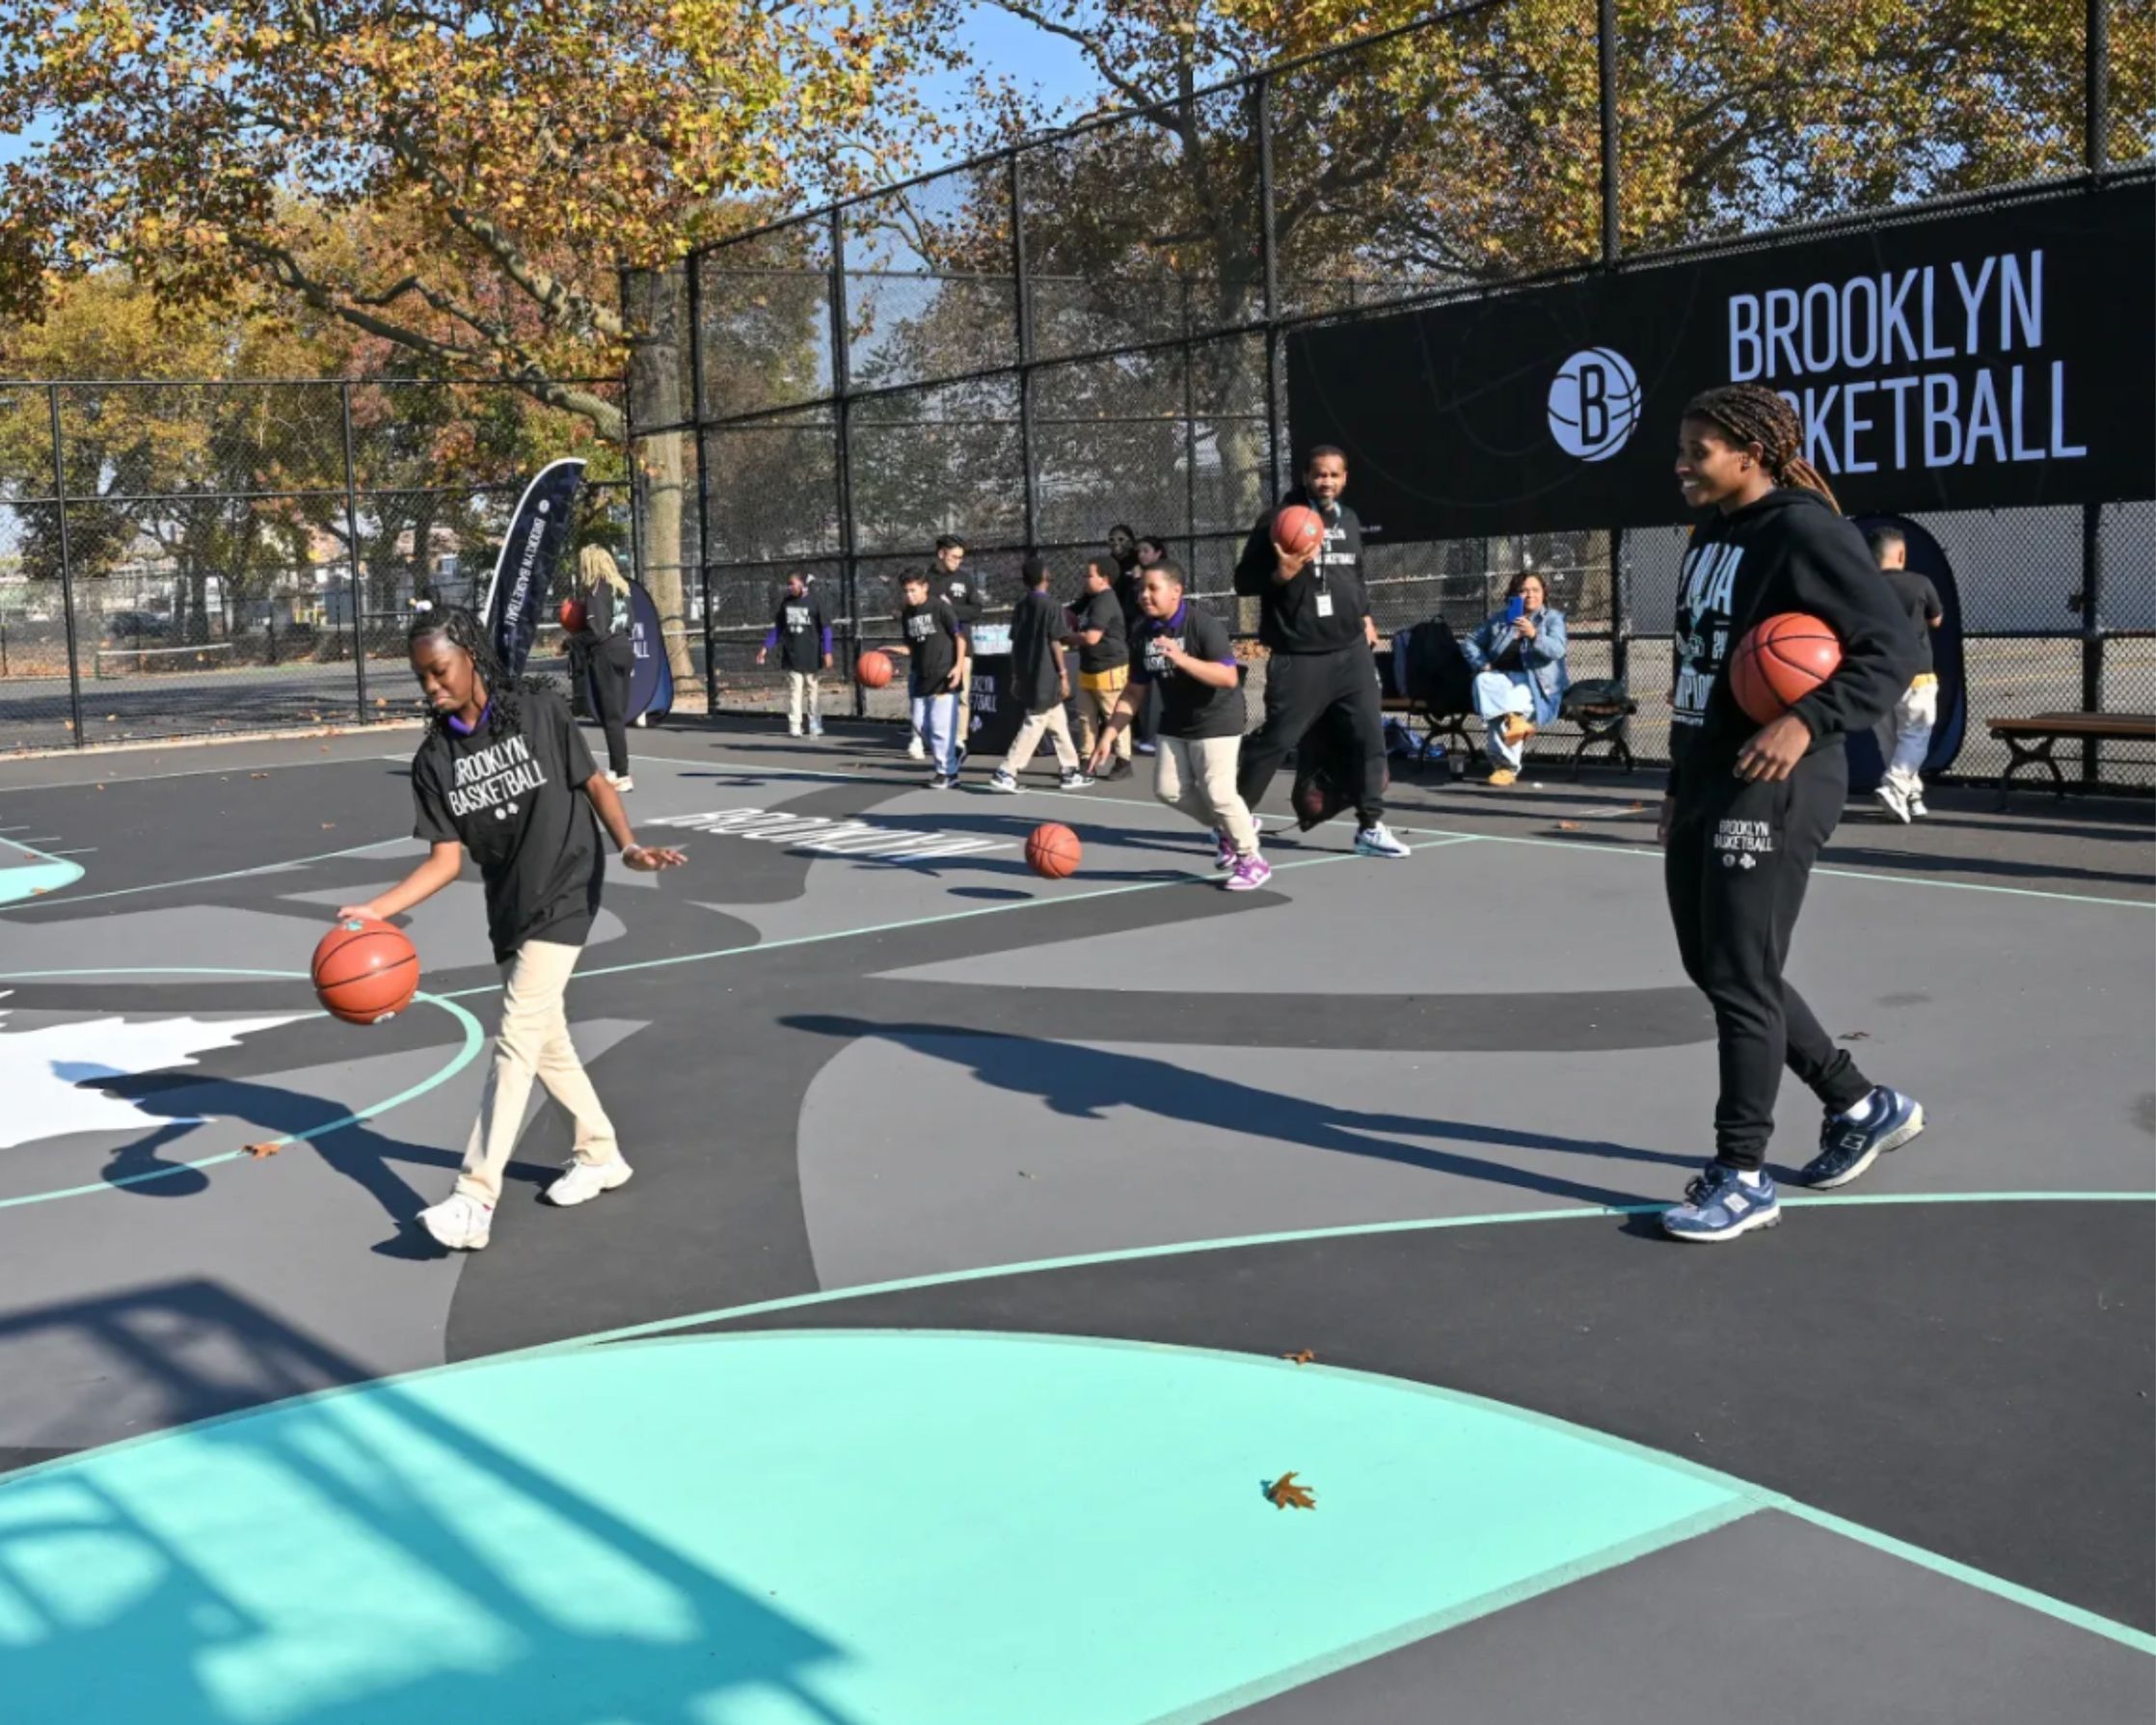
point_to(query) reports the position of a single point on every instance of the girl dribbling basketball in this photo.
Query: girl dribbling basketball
(504, 774)
(1749, 807)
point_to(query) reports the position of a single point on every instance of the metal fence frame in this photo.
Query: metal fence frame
(350, 493)
(1276, 320)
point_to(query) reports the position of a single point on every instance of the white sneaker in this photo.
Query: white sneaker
(1378, 841)
(792, 727)
(621, 781)
(460, 1223)
(916, 751)
(1894, 802)
(1917, 810)
(582, 1181)
(1003, 783)
(816, 727)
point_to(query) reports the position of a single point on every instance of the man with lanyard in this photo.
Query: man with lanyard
(1315, 617)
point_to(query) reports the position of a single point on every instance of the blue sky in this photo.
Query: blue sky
(997, 41)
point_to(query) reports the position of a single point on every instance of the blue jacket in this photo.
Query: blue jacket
(1542, 659)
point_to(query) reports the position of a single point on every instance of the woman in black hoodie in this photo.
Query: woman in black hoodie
(1749, 808)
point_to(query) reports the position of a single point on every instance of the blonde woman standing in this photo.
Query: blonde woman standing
(606, 646)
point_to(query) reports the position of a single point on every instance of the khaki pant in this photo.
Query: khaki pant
(532, 1042)
(1197, 775)
(1051, 724)
(1097, 694)
(800, 683)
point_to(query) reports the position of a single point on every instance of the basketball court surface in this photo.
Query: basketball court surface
(997, 1245)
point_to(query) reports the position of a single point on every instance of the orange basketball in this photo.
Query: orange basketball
(1779, 663)
(1298, 531)
(1053, 850)
(573, 615)
(873, 669)
(366, 971)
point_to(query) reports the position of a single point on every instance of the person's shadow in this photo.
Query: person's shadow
(1084, 1083)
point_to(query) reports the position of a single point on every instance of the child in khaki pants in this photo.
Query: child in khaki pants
(1187, 656)
(1103, 641)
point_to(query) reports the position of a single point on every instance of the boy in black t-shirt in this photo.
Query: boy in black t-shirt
(503, 774)
(1103, 641)
(1906, 733)
(803, 639)
(1186, 657)
(1040, 683)
(937, 649)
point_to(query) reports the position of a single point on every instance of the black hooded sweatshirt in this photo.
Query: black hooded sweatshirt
(1789, 551)
(1321, 610)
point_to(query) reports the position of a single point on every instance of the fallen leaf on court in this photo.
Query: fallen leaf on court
(112, 718)
(1568, 826)
(1285, 1494)
(327, 825)
(1301, 1358)
(1856, 1036)
(257, 776)
(267, 1148)
(100, 787)
(381, 701)
(1638, 808)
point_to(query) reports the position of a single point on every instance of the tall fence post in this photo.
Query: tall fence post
(355, 582)
(1605, 58)
(1014, 188)
(692, 268)
(1620, 609)
(1269, 254)
(1188, 354)
(2092, 627)
(841, 384)
(66, 567)
(2096, 70)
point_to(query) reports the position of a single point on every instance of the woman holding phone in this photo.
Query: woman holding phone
(1519, 660)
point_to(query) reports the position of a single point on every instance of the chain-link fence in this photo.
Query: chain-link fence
(1089, 328)
(180, 558)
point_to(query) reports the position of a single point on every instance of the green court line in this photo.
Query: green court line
(50, 874)
(268, 868)
(474, 1039)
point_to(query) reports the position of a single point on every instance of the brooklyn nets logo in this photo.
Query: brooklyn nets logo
(1593, 404)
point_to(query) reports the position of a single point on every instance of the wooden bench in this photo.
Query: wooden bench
(2031, 740)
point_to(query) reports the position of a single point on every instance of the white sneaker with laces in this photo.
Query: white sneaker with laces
(792, 727)
(581, 1181)
(1001, 783)
(917, 750)
(1378, 841)
(1894, 802)
(816, 727)
(460, 1223)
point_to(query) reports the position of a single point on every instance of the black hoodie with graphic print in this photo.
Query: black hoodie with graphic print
(1789, 551)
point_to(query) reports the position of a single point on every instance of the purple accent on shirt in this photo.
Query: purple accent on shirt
(770, 640)
(826, 640)
(462, 729)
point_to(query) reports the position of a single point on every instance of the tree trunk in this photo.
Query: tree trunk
(657, 316)
(661, 500)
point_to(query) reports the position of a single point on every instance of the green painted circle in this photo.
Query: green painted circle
(910, 1528)
(474, 1039)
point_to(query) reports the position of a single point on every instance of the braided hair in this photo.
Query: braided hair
(461, 628)
(1754, 413)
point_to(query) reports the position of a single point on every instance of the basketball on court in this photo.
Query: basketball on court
(573, 615)
(1053, 852)
(1779, 663)
(1298, 531)
(873, 669)
(366, 971)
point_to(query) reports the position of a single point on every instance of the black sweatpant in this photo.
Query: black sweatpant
(611, 661)
(1740, 858)
(1300, 689)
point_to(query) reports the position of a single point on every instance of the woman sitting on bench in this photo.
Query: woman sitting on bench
(1519, 660)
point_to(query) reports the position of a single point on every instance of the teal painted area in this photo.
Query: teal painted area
(852, 1528)
(468, 1049)
(27, 880)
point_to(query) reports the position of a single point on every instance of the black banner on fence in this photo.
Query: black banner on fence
(525, 570)
(1978, 362)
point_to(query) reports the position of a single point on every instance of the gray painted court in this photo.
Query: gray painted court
(843, 1386)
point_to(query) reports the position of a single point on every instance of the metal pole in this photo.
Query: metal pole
(66, 567)
(1268, 251)
(1015, 189)
(2097, 112)
(1619, 608)
(842, 430)
(1189, 437)
(695, 268)
(355, 583)
(1605, 45)
(629, 429)
(2092, 627)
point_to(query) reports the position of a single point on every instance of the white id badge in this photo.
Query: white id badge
(1325, 605)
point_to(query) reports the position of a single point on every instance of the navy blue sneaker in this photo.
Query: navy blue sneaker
(1720, 1206)
(1847, 1146)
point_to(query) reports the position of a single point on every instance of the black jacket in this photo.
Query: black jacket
(1789, 551)
(1293, 615)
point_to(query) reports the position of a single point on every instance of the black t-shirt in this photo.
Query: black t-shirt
(512, 794)
(1920, 602)
(799, 624)
(1102, 610)
(1321, 610)
(1033, 628)
(932, 630)
(963, 597)
(1189, 707)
